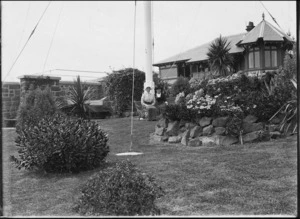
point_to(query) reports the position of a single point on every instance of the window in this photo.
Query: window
(254, 57)
(271, 56)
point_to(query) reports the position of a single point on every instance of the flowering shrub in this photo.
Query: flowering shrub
(180, 98)
(200, 103)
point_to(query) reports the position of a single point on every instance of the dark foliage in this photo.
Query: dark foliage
(37, 104)
(119, 88)
(180, 85)
(219, 58)
(79, 94)
(61, 144)
(163, 85)
(119, 190)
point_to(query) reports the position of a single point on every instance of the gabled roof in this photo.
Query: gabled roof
(199, 53)
(265, 31)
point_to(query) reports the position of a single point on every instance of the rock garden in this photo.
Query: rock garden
(236, 109)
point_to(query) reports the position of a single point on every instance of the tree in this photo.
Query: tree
(79, 94)
(219, 59)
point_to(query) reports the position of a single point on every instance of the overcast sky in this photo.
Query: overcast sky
(98, 35)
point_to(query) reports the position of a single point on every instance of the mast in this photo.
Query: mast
(148, 46)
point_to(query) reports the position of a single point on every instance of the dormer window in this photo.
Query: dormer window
(271, 56)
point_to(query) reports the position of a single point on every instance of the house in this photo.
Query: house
(261, 48)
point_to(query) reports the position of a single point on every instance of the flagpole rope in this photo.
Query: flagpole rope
(133, 66)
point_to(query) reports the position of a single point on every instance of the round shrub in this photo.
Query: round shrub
(180, 85)
(61, 144)
(119, 190)
(37, 104)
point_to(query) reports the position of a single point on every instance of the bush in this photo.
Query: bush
(37, 104)
(79, 94)
(119, 190)
(176, 112)
(290, 64)
(180, 85)
(163, 85)
(60, 144)
(119, 88)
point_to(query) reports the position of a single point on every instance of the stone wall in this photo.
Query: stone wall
(208, 131)
(14, 92)
(11, 92)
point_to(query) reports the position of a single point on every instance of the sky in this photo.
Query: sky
(99, 35)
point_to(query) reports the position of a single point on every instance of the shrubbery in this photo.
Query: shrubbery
(119, 190)
(163, 85)
(180, 85)
(61, 144)
(176, 112)
(119, 88)
(37, 104)
(251, 94)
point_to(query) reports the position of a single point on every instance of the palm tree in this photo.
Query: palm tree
(79, 94)
(219, 59)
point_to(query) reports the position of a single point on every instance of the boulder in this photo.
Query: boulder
(194, 142)
(207, 141)
(195, 132)
(185, 137)
(225, 140)
(165, 138)
(273, 128)
(182, 123)
(205, 121)
(159, 130)
(220, 122)
(251, 127)
(156, 138)
(162, 123)
(220, 130)
(182, 129)
(174, 139)
(275, 134)
(190, 125)
(252, 136)
(250, 119)
(208, 130)
(173, 128)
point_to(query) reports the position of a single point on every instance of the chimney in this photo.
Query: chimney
(250, 26)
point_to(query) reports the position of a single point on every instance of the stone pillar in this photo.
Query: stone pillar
(10, 99)
(26, 81)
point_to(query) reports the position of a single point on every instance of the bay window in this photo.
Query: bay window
(254, 57)
(271, 56)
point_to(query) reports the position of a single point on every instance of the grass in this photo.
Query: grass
(254, 179)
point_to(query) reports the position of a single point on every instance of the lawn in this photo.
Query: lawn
(254, 179)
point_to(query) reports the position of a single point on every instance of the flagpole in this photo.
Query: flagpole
(148, 46)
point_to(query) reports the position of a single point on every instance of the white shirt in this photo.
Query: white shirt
(147, 97)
